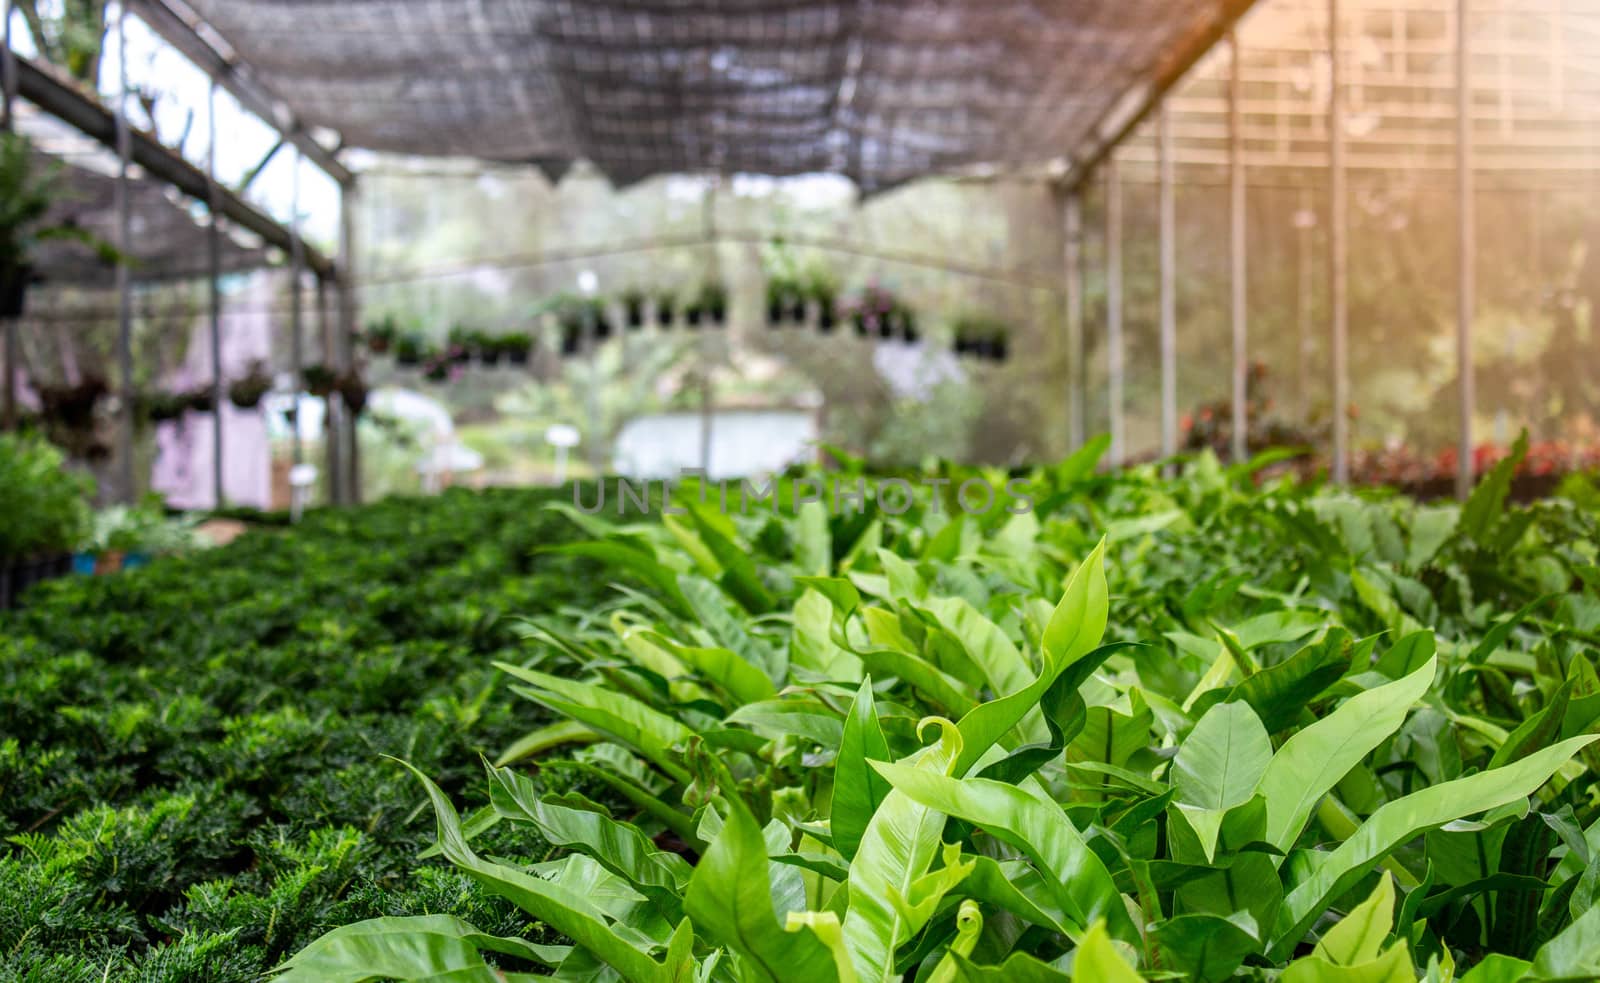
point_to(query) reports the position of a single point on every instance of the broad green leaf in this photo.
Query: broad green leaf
(618, 847)
(1396, 822)
(660, 578)
(546, 737)
(569, 913)
(742, 681)
(1218, 767)
(728, 631)
(730, 900)
(1073, 632)
(1486, 504)
(1204, 947)
(1574, 954)
(1316, 758)
(1097, 960)
(858, 789)
(1359, 936)
(1079, 620)
(1019, 967)
(899, 845)
(624, 719)
(1279, 694)
(813, 545)
(1031, 823)
(422, 947)
(989, 648)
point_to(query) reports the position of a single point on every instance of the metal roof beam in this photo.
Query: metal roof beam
(182, 29)
(87, 115)
(1138, 102)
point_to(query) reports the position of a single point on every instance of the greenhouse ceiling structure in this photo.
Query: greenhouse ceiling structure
(882, 91)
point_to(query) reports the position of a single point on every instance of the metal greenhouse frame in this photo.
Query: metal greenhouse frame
(883, 91)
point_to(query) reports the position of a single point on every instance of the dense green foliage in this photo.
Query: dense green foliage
(191, 780)
(1151, 729)
(55, 502)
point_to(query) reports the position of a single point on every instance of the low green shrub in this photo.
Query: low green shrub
(191, 776)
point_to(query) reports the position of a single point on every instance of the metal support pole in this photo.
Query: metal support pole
(1466, 275)
(347, 331)
(1169, 287)
(124, 281)
(296, 340)
(1238, 272)
(1304, 283)
(1338, 255)
(591, 345)
(8, 92)
(1072, 242)
(333, 419)
(8, 72)
(214, 270)
(707, 397)
(1114, 347)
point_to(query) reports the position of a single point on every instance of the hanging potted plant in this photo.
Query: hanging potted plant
(246, 391)
(714, 298)
(603, 328)
(72, 406)
(437, 369)
(201, 399)
(409, 350)
(27, 192)
(633, 304)
(826, 296)
(381, 335)
(571, 322)
(161, 407)
(353, 391)
(319, 379)
(459, 344)
(516, 347)
(781, 296)
(487, 348)
(908, 327)
(666, 309)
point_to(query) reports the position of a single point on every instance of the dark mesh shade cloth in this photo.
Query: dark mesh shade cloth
(881, 91)
(168, 241)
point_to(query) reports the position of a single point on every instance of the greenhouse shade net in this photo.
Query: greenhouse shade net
(881, 91)
(168, 242)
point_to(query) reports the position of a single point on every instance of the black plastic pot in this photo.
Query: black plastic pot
(13, 289)
(826, 319)
(908, 330)
(517, 356)
(719, 315)
(16, 576)
(691, 317)
(665, 315)
(635, 315)
(774, 315)
(489, 356)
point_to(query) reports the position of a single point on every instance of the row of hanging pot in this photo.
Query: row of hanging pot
(876, 313)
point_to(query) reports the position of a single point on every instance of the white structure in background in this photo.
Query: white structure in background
(743, 442)
(302, 478)
(563, 437)
(914, 371)
(429, 422)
